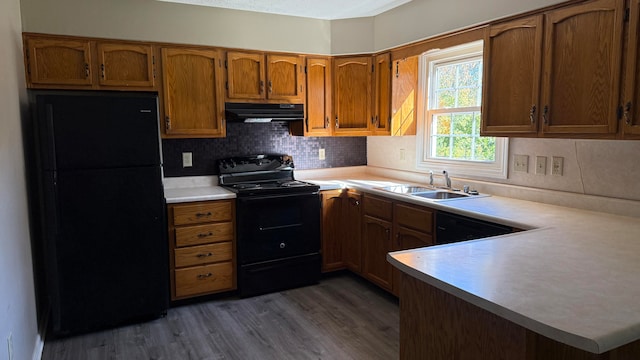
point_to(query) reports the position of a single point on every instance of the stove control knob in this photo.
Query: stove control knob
(233, 164)
(282, 245)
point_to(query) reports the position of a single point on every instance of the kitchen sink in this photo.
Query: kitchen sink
(406, 189)
(440, 195)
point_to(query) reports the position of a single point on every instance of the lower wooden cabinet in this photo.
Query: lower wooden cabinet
(352, 231)
(202, 248)
(358, 230)
(332, 230)
(376, 244)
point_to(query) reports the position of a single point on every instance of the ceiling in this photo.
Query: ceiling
(317, 9)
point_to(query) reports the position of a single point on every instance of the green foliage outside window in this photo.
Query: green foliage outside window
(456, 133)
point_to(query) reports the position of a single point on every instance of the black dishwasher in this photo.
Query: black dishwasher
(453, 228)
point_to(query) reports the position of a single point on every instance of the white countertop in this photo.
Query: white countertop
(197, 188)
(573, 276)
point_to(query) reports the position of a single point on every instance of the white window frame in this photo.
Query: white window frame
(473, 169)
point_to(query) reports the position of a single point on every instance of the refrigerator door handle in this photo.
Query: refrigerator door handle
(49, 139)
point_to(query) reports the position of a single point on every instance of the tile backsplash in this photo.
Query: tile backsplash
(262, 138)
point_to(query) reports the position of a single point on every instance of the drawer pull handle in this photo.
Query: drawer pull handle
(204, 276)
(203, 214)
(205, 235)
(204, 255)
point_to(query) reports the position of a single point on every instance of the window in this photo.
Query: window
(449, 130)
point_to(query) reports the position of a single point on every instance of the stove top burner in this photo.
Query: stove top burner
(261, 174)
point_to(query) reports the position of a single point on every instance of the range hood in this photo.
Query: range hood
(252, 112)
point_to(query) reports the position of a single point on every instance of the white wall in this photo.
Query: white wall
(17, 301)
(151, 20)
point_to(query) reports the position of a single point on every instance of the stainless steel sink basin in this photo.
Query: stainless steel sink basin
(441, 195)
(406, 189)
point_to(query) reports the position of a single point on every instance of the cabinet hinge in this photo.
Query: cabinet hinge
(226, 85)
(153, 60)
(305, 69)
(28, 63)
(626, 15)
(373, 66)
(226, 66)
(619, 111)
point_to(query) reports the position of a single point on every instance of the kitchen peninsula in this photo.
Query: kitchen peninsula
(558, 291)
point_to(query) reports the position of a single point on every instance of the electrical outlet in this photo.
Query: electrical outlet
(557, 165)
(187, 159)
(521, 163)
(541, 165)
(10, 346)
(321, 154)
(403, 155)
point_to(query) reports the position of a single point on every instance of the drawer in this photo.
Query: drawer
(204, 234)
(412, 217)
(204, 279)
(203, 254)
(378, 207)
(203, 212)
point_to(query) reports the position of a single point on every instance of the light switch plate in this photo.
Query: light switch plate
(187, 159)
(557, 165)
(521, 163)
(541, 165)
(321, 154)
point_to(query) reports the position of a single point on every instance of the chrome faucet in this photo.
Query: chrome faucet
(447, 180)
(430, 177)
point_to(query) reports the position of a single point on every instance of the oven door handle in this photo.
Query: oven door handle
(278, 227)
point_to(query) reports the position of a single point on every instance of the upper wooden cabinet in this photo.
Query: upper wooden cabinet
(192, 93)
(582, 61)
(511, 79)
(382, 87)
(58, 61)
(631, 93)
(563, 80)
(318, 119)
(259, 76)
(74, 63)
(404, 95)
(126, 64)
(352, 96)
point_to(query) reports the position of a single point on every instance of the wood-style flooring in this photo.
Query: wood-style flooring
(343, 317)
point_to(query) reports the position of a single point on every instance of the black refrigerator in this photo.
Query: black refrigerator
(101, 208)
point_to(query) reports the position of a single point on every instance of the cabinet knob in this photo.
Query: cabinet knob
(627, 110)
(545, 114)
(204, 276)
(203, 214)
(532, 114)
(204, 255)
(202, 235)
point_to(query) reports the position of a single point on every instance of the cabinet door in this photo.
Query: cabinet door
(332, 227)
(59, 62)
(407, 239)
(582, 52)
(376, 245)
(352, 231)
(285, 78)
(192, 92)
(126, 65)
(631, 102)
(245, 75)
(511, 80)
(382, 88)
(318, 121)
(404, 83)
(352, 95)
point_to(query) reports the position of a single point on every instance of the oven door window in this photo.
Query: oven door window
(275, 227)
